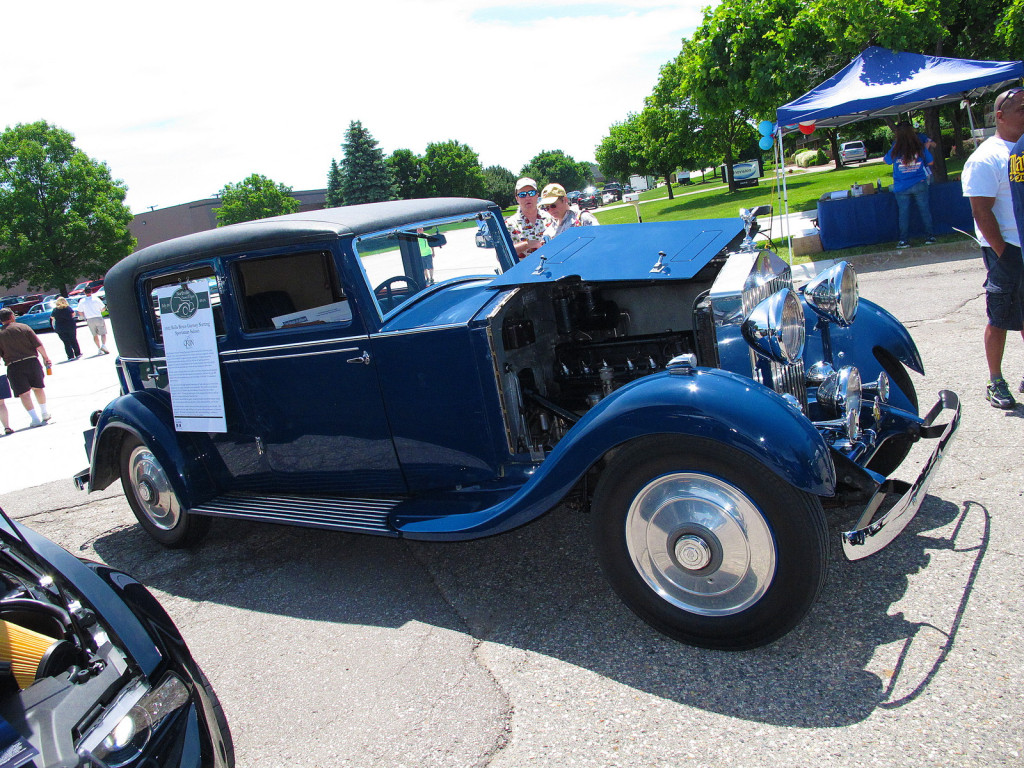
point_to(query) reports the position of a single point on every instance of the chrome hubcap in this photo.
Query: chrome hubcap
(700, 543)
(152, 489)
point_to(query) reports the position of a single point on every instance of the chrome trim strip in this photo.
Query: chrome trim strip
(356, 514)
(347, 350)
(413, 331)
(299, 345)
(870, 537)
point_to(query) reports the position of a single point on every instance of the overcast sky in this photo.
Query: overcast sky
(182, 97)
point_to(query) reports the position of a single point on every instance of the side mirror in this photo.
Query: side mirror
(436, 240)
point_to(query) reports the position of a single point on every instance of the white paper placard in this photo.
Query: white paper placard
(193, 367)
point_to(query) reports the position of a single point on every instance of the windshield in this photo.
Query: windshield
(402, 263)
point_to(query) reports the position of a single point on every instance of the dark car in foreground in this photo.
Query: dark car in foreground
(668, 376)
(613, 188)
(93, 671)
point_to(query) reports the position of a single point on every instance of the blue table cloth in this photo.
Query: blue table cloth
(873, 218)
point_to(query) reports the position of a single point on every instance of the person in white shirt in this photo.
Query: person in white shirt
(92, 307)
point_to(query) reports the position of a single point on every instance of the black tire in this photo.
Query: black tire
(226, 752)
(894, 450)
(156, 506)
(671, 499)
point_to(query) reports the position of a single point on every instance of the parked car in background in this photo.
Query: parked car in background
(81, 288)
(97, 673)
(574, 197)
(589, 198)
(614, 189)
(25, 303)
(853, 152)
(668, 375)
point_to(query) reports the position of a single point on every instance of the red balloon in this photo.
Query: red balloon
(807, 129)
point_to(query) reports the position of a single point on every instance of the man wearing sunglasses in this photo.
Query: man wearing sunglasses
(556, 203)
(529, 225)
(986, 183)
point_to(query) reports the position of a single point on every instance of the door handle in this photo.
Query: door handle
(363, 358)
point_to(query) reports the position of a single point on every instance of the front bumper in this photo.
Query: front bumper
(872, 535)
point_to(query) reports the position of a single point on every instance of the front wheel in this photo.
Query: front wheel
(153, 500)
(707, 545)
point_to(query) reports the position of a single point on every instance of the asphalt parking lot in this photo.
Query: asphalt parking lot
(330, 649)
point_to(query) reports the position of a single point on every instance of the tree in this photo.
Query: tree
(499, 185)
(407, 171)
(555, 167)
(366, 177)
(621, 152)
(257, 197)
(451, 169)
(334, 196)
(62, 217)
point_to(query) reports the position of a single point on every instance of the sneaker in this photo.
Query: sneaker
(929, 241)
(36, 423)
(1021, 387)
(999, 395)
(104, 350)
(902, 244)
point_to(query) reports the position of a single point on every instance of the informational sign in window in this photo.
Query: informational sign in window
(193, 368)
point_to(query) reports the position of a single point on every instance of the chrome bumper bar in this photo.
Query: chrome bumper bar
(872, 535)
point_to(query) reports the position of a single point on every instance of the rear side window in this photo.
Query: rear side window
(177, 278)
(290, 291)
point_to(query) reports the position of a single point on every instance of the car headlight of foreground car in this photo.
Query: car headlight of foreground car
(775, 327)
(123, 733)
(834, 294)
(841, 393)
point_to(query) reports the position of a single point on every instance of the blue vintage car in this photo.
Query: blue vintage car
(667, 376)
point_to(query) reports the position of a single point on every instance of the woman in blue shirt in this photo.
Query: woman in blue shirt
(911, 165)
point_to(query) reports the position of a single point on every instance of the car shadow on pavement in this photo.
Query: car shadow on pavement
(874, 639)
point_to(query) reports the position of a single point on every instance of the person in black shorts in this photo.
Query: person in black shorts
(5, 394)
(20, 349)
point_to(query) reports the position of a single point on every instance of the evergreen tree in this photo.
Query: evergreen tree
(366, 177)
(334, 186)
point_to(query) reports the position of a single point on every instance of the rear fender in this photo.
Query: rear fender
(706, 403)
(147, 416)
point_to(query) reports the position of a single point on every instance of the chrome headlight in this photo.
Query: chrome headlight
(120, 739)
(775, 327)
(834, 294)
(840, 393)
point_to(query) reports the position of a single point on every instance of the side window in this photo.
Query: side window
(290, 291)
(176, 278)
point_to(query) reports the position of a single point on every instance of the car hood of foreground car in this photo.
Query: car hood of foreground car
(626, 252)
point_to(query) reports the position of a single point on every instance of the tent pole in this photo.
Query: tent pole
(780, 165)
(970, 119)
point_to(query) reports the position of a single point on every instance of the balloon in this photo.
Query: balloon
(807, 122)
(765, 127)
(765, 142)
(806, 129)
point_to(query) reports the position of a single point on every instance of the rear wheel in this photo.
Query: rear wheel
(153, 500)
(707, 545)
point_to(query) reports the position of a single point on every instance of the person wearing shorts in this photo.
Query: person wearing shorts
(986, 183)
(92, 307)
(5, 394)
(20, 350)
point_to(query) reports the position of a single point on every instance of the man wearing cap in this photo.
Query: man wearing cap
(20, 350)
(529, 225)
(554, 200)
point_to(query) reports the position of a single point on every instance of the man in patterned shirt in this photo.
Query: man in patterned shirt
(529, 224)
(554, 200)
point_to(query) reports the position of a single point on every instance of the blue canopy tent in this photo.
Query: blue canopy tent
(884, 83)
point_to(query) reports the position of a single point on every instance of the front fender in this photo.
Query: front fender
(706, 403)
(874, 329)
(147, 415)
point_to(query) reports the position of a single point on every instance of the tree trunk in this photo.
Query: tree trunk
(833, 142)
(958, 130)
(934, 131)
(728, 167)
(668, 183)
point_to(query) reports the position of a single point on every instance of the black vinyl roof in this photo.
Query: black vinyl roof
(291, 229)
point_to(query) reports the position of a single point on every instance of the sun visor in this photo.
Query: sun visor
(626, 252)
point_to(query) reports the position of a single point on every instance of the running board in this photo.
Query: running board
(354, 515)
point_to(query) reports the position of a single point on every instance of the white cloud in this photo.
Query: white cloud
(181, 98)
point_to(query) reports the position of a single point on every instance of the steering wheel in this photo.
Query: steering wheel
(386, 295)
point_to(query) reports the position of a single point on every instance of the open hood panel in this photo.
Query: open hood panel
(620, 252)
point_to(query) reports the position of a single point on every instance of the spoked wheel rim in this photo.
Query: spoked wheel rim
(700, 543)
(152, 490)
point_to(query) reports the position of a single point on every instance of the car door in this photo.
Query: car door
(303, 363)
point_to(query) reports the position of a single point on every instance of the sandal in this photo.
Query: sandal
(8, 431)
